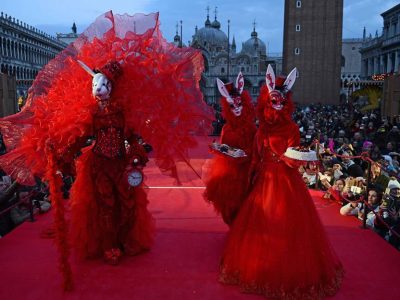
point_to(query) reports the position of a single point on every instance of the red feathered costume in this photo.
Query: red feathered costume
(277, 245)
(156, 96)
(227, 178)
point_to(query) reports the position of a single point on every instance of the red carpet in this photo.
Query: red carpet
(183, 263)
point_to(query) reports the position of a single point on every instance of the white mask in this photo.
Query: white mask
(101, 86)
(235, 102)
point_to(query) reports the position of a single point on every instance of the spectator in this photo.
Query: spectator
(376, 153)
(389, 148)
(337, 171)
(394, 136)
(334, 192)
(310, 174)
(356, 208)
(389, 210)
(349, 167)
(395, 159)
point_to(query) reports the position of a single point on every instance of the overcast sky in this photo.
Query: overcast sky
(54, 16)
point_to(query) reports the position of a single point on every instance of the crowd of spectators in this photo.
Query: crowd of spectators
(345, 135)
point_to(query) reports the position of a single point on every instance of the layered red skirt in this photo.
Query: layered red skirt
(133, 224)
(277, 245)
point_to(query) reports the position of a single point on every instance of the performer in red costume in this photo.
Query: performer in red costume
(142, 85)
(117, 212)
(277, 245)
(226, 182)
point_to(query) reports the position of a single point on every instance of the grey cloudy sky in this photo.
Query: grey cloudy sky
(54, 16)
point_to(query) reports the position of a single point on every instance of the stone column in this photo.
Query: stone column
(363, 71)
(396, 61)
(388, 63)
(371, 66)
(383, 65)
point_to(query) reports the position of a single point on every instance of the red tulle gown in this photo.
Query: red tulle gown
(277, 245)
(159, 97)
(107, 213)
(227, 178)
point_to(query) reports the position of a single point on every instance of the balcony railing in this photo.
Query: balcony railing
(393, 40)
(372, 42)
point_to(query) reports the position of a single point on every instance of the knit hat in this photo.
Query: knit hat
(393, 184)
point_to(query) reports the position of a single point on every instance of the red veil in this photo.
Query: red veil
(158, 91)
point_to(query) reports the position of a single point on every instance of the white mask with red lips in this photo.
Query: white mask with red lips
(235, 101)
(278, 98)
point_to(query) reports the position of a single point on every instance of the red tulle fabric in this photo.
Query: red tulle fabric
(277, 245)
(158, 92)
(60, 225)
(227, 178)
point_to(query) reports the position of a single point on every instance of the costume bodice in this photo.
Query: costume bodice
(272, 144)
(272, 148)
(109, 133)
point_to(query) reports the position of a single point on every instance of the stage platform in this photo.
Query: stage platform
(183, 264)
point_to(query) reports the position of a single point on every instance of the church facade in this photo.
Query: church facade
(223, 61)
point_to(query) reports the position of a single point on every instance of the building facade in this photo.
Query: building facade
(24, 50)
(312, 42)
(381, 55)
(223, 61)
(350, 66)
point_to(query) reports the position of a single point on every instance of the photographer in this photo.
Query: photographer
(355, 207)
(334, 192)
(389, 212)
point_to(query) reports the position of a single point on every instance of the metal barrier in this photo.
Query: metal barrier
(11, 193)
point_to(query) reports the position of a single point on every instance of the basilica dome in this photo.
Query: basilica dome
(216, 24)
(254, 45)
(211, 36)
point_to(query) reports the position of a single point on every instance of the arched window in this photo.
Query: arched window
(8, 48)
(12, 49)
(343, 61)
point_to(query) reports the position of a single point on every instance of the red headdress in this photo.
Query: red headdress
(112, 70)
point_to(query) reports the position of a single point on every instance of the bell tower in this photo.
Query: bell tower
(312, 42)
